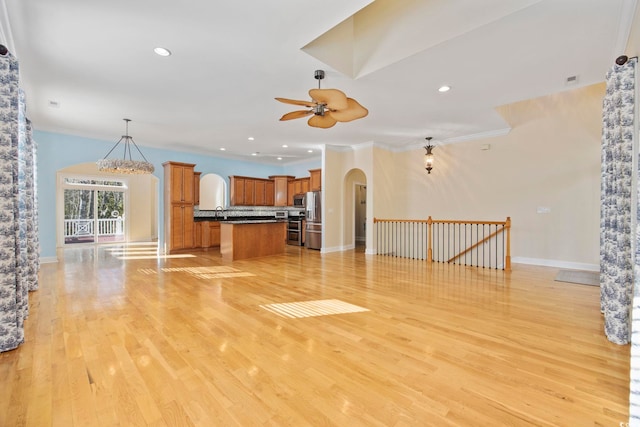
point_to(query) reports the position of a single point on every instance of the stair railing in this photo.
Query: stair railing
(485, 244)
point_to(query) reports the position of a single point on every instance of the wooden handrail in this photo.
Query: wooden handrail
(506, 225)
(400, 220)
(441, 221)
(490, 236)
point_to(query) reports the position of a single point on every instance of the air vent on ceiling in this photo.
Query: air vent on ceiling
(571, 80)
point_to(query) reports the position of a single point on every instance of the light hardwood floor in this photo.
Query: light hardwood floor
(185, 341)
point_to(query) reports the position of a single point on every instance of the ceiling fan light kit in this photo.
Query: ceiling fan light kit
(327, 107)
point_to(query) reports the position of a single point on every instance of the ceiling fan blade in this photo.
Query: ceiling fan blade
(309, 104)
(333, 98)
(353, 112)
(296, 115)
(323, 122)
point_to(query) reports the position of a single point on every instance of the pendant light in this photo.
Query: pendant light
(428, 157)
(125, 165)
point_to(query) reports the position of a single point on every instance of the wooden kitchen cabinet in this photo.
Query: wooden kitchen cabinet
(269, 193)
(305, 183)
(210, 234)
(290, 192)
(196, 188)
(281, 190)
(236, 190)
(214, 233)
(180, 181)
(181, 227)
(296, 186)
(315, 179)
(260, 195)
(247, 191)
(197, 234)
(178, 206)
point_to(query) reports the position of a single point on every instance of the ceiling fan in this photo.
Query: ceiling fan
(328, 107)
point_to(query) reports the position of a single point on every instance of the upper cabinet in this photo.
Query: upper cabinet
(278, 190)
(297, 186)
(281, 190)
(247, 191)
(196, 188)
(182, 179)
(315, 178)
(269, 193)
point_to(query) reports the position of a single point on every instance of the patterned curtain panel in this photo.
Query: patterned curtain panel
(19, 249)
(617, 211)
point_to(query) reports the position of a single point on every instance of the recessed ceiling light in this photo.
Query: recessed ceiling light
(162, 51)
(254, 154)
(285, 146)
(279, 158)
(444, 88)
(251, 138)
(309, 151)
(222, 149)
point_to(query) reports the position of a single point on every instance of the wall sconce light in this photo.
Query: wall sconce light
(428, 157)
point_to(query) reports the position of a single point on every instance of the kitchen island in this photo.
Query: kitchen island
(252, 238)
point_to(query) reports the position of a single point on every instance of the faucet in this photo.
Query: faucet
(219, 209)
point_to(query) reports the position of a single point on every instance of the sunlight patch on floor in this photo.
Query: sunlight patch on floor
(140, 250)
(155, 256)
(295, 310)
(216, 272)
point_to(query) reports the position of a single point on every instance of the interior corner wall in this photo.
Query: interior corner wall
(332, 196)
(379, 168)
(545, 175)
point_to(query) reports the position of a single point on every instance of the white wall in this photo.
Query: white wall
(550, 159)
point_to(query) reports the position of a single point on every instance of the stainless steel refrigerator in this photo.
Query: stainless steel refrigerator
(313, 230)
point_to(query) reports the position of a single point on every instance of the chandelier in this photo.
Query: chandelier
(126, 164)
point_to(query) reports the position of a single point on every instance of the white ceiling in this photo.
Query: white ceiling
(231, 58)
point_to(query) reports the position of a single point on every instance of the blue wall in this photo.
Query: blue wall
(57, 151)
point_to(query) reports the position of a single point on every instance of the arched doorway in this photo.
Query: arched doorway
(109, 208)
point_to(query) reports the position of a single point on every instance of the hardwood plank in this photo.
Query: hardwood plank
(147, 342)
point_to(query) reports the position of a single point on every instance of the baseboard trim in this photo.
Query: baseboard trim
(556, 263)
(336, 249)
(48, 259)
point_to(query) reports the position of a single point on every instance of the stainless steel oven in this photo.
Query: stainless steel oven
(295, 231)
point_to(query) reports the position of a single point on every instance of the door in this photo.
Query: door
(360, 213)
(93, 216)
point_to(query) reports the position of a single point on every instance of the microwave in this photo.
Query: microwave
(299, 200)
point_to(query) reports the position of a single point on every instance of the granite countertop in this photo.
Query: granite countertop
(252, 221)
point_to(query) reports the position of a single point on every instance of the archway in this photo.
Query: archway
(140, 204)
